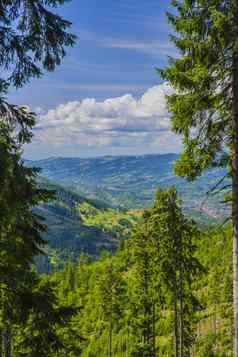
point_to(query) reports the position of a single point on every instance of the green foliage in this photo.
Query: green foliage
(174, 238)
(204, 110)
(129, 289)
(131, 182)
(127, 299)
(33, 38)
(116, 222)
(39, 333)
(132, 303)
(77, 224)
(29, 315)
(201, 107)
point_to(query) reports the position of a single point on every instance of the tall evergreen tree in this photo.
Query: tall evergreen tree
(173, 237)
(32, 38)
(165, 271)
(145, 290)
(205, 105)
(110, 292)
(20, 228)
(40, 326)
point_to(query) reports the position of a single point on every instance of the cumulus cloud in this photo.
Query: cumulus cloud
(114, 126)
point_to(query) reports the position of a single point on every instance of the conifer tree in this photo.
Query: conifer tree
(173, 237)
(20, 228)
(33, 39)
(205, 104)
(83, 275)
(145, 296)
(41, 321)
(110, 292)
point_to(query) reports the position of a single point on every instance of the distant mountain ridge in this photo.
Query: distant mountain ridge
(65, 169)
(99, 199)
(130, 181)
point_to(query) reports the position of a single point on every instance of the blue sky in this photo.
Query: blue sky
(120, 43)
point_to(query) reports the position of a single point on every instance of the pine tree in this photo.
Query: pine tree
(33, 38)
(42, 328)
(205, 105)
(109, 293)
(20, 228)
(173, 236)
(145, 292)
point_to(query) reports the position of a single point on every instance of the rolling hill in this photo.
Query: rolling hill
(76, 224)
(98, 200)
(129, 182)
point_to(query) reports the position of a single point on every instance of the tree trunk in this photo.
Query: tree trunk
(7, 342)
(6, 334)
(181, 327)
(147, 331)
(110, 338)
(235, 186)
(153, 329)
(176, 335)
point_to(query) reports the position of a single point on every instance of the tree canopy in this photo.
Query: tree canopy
(204, 106)
(33, 37)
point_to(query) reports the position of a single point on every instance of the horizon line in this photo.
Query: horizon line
(100, 156)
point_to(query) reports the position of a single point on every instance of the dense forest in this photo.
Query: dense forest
(164, 281)
(167, 287)
(160, 284)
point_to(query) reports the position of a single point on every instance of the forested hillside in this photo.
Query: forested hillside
(76, 224)
(131, 181)
(78, 221)
(120, 256)
(127, 303)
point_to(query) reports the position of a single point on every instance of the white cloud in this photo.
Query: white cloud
(150, 48)
(116, 125)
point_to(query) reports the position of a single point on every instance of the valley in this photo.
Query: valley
(98, 200)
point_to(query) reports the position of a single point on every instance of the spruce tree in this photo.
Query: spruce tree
(204, 106)
(173, 237)
(33, 39)
(109, 292)
(145, 290)
(43, 322)
(20, 228)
